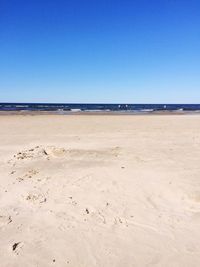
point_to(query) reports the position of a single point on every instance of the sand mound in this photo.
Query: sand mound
(50, 152)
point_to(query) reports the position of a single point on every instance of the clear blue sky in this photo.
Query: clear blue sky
(143, 51)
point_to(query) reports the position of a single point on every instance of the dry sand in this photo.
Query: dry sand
(107, 191)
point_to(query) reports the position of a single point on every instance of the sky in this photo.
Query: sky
(100, 51)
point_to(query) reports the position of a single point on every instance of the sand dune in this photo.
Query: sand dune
(99, 191)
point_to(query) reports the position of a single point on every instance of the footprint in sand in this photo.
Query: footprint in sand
(52, 151)
(36, 198)
(120, 221)
(17, 247)
(28, 175)
(4, 220)
(33, 153)
(37, 153)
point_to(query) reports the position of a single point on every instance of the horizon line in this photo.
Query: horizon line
(99, 103)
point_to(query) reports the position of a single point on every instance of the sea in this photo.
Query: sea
(66, 108)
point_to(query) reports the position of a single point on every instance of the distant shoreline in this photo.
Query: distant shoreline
(98, 113)
(90, 109)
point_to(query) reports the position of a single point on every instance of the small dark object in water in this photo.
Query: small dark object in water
(54, 260)
(15, 246)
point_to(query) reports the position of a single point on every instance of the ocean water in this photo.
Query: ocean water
(128, 108)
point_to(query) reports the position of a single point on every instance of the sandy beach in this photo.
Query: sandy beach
(99, 191)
